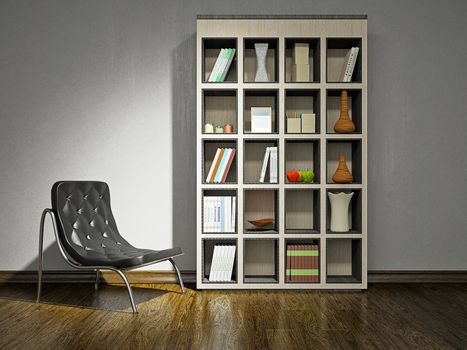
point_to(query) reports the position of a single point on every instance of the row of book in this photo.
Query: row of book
(220, 165)
(349, 65)
(219, 213)
(222, 65)
(270, 156)
(302, 263)
(222, 263)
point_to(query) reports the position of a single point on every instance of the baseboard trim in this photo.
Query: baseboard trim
(163, 277)
(417, 276)
(139, 277)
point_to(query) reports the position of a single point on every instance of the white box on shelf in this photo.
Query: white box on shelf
(308, 123)
(301, 52)
(261, 119)
(293, 126)
(301, 73)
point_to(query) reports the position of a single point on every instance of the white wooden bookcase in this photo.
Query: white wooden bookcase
(301, 211)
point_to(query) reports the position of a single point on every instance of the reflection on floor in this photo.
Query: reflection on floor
(386, 316)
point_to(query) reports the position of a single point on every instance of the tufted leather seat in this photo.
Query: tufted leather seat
(88, 231)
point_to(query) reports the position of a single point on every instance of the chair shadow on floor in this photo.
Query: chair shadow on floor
(82, 295)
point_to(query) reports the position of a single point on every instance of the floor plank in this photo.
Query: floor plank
(387, 316)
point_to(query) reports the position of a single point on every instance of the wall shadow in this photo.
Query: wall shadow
(183, 66)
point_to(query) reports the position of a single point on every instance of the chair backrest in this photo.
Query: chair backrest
(86, 226)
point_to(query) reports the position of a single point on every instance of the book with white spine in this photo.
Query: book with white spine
(215, 69)
(213, 165)
(344, 67)
(352, 65)
(231, 262)
(265, 164)
(273, 165)
(229, 63)
(227, 215)
(349, 64)
(234, 209)
(223, 165)
(212, 272)
(223, 65)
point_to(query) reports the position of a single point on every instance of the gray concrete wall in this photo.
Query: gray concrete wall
(106, 90)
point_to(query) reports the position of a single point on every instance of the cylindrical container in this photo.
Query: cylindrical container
(340, 211)
(208, 128)
(228, 129)
(219, 130)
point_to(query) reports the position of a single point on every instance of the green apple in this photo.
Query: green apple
(307, 176)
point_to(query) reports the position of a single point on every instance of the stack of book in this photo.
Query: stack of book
(222, 65)
(219, 213)
(302, 263)
(270, 155)
(222, 263)
(349, 66)
(220, 165)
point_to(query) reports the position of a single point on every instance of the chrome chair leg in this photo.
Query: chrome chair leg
(96, 283)
(179, 275)
(130, 293)
(40, 256)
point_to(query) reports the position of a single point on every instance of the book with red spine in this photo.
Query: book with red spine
(229, 163)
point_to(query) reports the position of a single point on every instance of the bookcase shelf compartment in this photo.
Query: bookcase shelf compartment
(220, 193)
(302, 211)
(333, 108)
(352, 150)
(316, 263)
(313, 60)
(299, 101)
(261, 204)
(207, 254)
(210, 51)
(260, 260)
(355, 212)
(220, 108)
(253, 160)
(260, 98)
(249, 59)
(209, 151)
(302, 155)
(344, 261)
(336, 52)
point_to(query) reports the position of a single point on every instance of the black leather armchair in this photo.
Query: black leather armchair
(87, 234)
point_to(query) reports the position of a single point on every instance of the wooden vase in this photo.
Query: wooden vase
(344, 124)
(342, 174)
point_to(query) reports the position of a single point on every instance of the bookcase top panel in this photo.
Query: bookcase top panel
(281, 27)
(282, 17)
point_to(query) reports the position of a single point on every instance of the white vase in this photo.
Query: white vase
(261, 51)
(340, 211)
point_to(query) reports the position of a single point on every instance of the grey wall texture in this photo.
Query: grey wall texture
(106, 90)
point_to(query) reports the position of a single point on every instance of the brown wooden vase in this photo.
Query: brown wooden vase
(342, 174)
(344, 124)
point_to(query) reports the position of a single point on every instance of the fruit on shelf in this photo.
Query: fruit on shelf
(307, 176)
(293, 176)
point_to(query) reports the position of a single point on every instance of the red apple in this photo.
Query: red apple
(293, 176)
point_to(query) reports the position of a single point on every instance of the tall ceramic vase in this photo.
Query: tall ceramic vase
(340, 211)
(344, 124)
(261, 51)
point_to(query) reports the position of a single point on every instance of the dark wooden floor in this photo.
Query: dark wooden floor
(387, 316)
